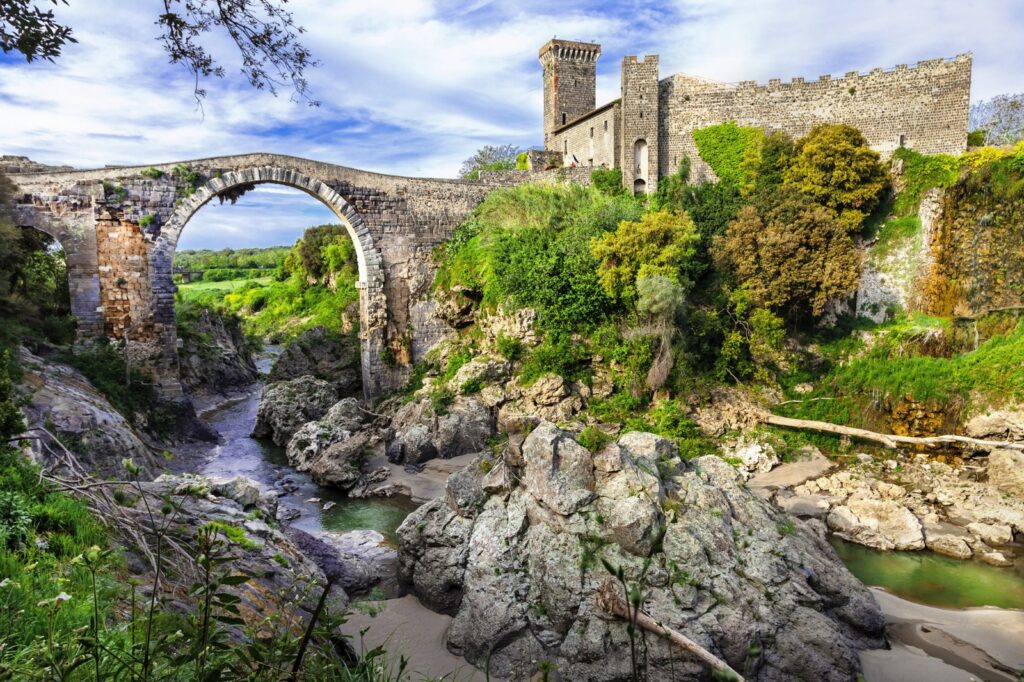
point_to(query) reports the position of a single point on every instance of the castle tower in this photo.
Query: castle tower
(570, 82)
(640, 121)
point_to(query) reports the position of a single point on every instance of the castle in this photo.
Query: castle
(649, 129)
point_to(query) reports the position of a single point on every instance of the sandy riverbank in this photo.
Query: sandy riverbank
(946, 645)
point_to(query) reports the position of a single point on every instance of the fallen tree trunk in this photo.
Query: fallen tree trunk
(889, 440)
(609, 600)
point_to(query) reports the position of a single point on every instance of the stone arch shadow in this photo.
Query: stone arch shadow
(372, 299)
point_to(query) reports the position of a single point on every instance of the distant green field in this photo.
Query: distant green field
(196, 289)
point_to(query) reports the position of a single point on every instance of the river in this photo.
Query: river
(950, 620)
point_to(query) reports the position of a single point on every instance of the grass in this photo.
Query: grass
(198, 290)
(862, 380)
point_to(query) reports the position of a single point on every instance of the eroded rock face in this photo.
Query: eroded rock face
(288, 405)
(726, 568)
(214, 357)
(419, 433)
(64, 402)
(325, 355)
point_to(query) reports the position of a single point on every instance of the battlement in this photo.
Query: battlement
(571, 49)
(925, 65)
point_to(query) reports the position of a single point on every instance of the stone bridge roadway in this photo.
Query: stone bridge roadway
(119, 227)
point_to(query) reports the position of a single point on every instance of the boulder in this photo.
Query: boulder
(991, 534)
(997, 425)
(521, 575)
(751, 455)
(419, 433)
(288, 405)
(882, 524)
(478, 372)
(558, 471)
(323, 354)
(311, 440)
(804, 506)
(947, 539)
(1006, 471)
(340, 464)
(241, 489)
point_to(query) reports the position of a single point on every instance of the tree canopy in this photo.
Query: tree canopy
(489, 158)
(263, 32)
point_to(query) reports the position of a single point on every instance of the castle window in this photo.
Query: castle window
(567, 146)
(903, 140)
(591, 131)
(606, 126)
(641, 115)
(563, 119)
(639, 187)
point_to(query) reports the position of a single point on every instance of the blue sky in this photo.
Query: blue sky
(415, 86)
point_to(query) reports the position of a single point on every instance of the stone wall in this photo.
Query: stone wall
(592, 139)
(923, 107)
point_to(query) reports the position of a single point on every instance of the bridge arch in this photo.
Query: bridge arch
(372, 299)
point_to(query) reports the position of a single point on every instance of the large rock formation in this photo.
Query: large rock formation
(214, 357)
(520, 545)
(421, 430)
(322, 354)
(288, 405)
(61, 400)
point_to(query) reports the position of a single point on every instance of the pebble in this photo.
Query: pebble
(329, 505)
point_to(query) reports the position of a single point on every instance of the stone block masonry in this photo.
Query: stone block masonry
(923, 107)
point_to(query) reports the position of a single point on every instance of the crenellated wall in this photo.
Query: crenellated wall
(922, 107)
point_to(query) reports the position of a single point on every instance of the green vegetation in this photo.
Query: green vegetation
(313, 284)
(608, 180)
(724, 147)
(491, 158)
(921, 173)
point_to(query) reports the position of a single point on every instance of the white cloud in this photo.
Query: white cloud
(414, 86)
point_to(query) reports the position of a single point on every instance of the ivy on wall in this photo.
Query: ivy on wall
(723, 146)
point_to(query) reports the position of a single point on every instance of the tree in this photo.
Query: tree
(264, 33)
(661, 243)
(487, 158)
(835, 167)
(795, 259)
(1000, 119)
(764, 165)
(314, 254)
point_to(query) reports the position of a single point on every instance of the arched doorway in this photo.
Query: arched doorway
(640, 166)
(372, 300)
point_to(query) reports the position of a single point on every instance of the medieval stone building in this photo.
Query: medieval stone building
(649, 129)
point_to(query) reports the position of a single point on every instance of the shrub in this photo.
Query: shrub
(976, 138)
(921, 173)
(608, 181)
(835, 167)
(556, 354)
(724, 146)
(510, 347)
(796, 258)
(593, 438)
(523, 161)
(661, 243)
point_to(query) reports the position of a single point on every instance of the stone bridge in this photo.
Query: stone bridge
(119, 227)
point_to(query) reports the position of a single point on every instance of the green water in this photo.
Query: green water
(382, 514)
(929, 578)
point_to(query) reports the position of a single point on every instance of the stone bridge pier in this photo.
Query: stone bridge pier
(120, 227)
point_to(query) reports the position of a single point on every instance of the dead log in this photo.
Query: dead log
(610, 601)
(889, 440)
